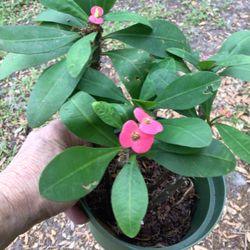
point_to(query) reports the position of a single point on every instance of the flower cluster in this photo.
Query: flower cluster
(96, 15)
(140, 137)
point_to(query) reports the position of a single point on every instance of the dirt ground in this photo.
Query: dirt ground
(207, 24)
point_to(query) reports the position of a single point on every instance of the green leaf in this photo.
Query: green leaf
(75, 172)
(129, 198)
(207, 106)
(33, 39)
(237, 43)
(188, 112)
(156, 82)
(144, 104)
(167, 69)
(107, 113)
(125, 16)
(173, 65)
(125, 111)
(242, 72)
(169, 64)
(189, 132)
(66, 6)
(237, 141)
(170, 148)
(233, 60)
(97, 84)
(187, 56)
(164, 35)
(80, 54)
(148, 90)
(86, 5)
(54, 16)
(161, 79)
(215, 160)
(79, 117)
(55, 26)
(51, 90)
(188, 91)
(206, 65)
(15, 62)
(132, 66)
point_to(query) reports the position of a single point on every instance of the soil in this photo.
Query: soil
(171, 204)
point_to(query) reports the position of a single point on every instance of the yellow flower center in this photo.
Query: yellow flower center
(147, 121)
(97, 14)
(135, 136)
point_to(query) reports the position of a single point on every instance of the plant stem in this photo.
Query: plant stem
(97, 53)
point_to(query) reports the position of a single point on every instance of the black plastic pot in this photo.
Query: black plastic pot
(209, 207)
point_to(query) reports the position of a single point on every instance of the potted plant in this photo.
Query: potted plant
(158, 177)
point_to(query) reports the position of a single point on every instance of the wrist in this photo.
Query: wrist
(20, 208)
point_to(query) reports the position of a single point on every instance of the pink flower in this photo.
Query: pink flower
(148, 124)
(132, 137)
(96, 15)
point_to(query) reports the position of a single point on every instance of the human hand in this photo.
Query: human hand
(19, 182)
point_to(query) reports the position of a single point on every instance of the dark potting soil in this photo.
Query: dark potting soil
(171, 204)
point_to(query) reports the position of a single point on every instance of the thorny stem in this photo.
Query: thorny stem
(97, 44)
(98, 50)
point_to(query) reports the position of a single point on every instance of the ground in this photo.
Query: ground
(206, 24)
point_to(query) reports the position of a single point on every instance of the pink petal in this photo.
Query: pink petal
(125, 136)
(97, 8)
(144, 144)
(95, 20)
(141, 115)
(152, 129)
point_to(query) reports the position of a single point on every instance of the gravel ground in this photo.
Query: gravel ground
(207, 24)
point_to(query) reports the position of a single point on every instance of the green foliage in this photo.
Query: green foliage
(51, 90)
(79, 117)
(207, 106)
(214, 160)
(188, 91)
(156, 81)
(242, 72)
(187, 56)
(172, 64)
(129, 198)
(75, 172)
(237, 43)
(176, 149)
(189, 132)
(80, 54)
(54, 16)
(232, 60)
(15, 62)
(132, 66)
(125, 16)
(107, 113)
(144, 104)
(238, 142)
(139, 36)
(125, 111)
(66, 6)
(32, 39)
(97, 84)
